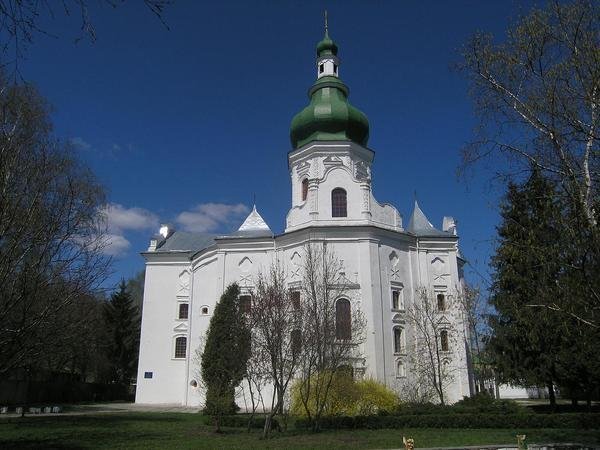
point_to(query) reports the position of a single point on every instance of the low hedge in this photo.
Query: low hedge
(464, 420)
(241, 421)
(474, 405)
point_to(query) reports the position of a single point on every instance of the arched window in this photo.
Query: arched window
(397, 340)
(444, 340)
(304, 189)
(441, 302)
(180, 347)
(204, 310)
(343, 320)
(400, 369)
(338, 203)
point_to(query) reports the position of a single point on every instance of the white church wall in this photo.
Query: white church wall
(212, 274)
(160, 327)
(395, 276)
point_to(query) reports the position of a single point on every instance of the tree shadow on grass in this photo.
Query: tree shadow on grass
(27, 444)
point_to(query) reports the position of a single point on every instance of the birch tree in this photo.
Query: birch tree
(537, 95)
(435, 339)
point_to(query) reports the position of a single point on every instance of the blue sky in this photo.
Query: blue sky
(187, 124)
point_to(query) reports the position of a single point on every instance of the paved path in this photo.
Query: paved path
(109, 408)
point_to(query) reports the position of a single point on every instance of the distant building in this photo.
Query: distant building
(332, 202)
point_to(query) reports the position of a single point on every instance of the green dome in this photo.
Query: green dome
(329, 116)
(326, 46)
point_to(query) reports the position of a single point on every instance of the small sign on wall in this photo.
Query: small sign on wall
(147, 374)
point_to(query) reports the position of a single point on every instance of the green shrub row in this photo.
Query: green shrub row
(464, 420)
(241, 421)
(495, 407)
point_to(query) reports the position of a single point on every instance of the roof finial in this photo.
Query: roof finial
(326, 25)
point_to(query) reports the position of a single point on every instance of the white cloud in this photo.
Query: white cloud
(79, 143)
(210, 216)
(119, 218)
(115, 245)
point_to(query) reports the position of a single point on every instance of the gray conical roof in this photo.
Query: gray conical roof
(254, 222)
(421, 226)
(253, 226)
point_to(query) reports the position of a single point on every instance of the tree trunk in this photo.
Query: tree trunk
(267, 427)
(217, 423)
(26, 402)
(588, 399)
(552, 396)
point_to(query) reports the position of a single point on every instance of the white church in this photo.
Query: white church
(332, 201)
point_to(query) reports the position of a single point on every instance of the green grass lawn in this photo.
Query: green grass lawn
(187, 431)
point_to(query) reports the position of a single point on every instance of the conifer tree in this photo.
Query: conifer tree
(121, 316)
(526, 339)
(225, 355)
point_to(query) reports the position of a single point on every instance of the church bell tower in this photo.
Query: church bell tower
(330, 163)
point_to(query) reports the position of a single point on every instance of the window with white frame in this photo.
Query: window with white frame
(183, 311)
(304, 189)
(398, 334)
(397, 298)
(295, 298)
(444, 344)
(245, 304)
(343, 319)
(441, 301)
(400, 369)
(180, 347)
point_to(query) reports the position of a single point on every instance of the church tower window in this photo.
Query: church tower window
(338, 203)
(304, 189)
(343, 320)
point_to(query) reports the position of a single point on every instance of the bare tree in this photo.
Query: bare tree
(475, 311)
(274, 324)
(332, 327)
(538, 95)
(22, 20)
(433, 316)
(51, 234)
(256, 379)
